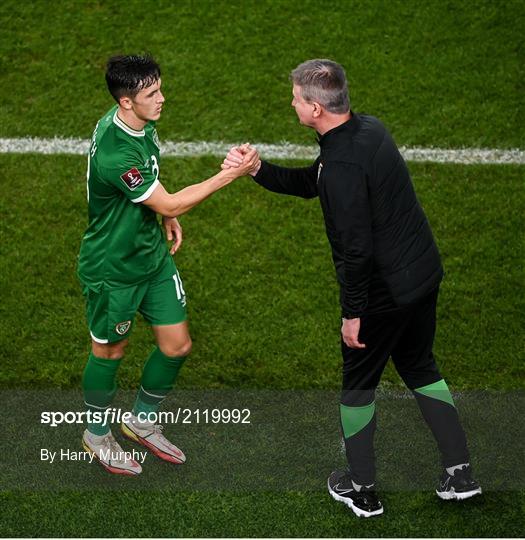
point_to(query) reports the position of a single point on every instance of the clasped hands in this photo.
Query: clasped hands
(244, 156)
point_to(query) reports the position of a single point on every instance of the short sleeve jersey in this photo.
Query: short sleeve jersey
(123, 244)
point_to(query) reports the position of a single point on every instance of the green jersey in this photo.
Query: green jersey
(123, 244)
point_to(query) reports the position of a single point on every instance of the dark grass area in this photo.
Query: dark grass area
(292, 514)
(437, 73)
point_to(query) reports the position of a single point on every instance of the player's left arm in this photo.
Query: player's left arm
(173, 232)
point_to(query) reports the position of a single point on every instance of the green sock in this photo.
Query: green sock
(99, 386)
(158, 377)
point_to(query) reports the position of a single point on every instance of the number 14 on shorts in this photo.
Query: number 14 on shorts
(181, 295)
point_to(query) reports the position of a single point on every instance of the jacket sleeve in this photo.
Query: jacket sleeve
(347, 198)
(301, 182)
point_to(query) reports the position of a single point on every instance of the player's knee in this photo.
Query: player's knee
(176, 348)
(109, 351)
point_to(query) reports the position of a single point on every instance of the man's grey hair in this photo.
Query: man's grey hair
(324, 82)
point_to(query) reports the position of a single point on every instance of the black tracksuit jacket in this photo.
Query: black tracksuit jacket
(382, 246)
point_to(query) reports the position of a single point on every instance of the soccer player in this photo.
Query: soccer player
(124, 264)
(389, 271)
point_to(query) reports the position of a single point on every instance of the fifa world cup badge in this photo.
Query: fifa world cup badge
(132, 178)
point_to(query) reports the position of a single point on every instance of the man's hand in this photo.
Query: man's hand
(236, 157)
(173, 232)
(350, 333)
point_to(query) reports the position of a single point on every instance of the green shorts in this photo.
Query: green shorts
(111, 312)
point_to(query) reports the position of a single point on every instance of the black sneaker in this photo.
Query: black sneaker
(364, 503)
(458, 486)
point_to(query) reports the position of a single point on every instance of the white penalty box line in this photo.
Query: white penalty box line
(283, 150)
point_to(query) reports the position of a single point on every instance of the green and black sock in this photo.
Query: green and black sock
(358, 425)
(439, 411)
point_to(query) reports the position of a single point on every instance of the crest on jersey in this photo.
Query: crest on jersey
(319, 169)
(132, 178)
(122, 327)
(156, 138)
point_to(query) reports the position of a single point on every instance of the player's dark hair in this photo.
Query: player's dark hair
(323, 81)
(127, 75)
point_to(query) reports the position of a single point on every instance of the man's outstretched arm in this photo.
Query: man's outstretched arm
(176, 204)
(301, 181)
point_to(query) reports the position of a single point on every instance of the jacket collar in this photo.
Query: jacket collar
(349, 127)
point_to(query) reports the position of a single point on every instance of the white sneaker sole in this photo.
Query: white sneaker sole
(461, 496)
(356, 510)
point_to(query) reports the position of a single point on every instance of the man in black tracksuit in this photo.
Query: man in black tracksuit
(389, 270)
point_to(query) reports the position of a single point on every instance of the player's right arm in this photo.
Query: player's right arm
(140, 184)
(176, 204)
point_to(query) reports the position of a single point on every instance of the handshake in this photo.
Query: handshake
(242, 160)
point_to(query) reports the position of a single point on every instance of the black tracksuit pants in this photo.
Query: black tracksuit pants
(406, 335)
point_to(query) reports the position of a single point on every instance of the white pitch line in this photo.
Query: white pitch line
(283, 150)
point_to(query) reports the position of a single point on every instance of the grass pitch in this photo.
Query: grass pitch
(263, 312)
(437, 73)
(261, 288)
